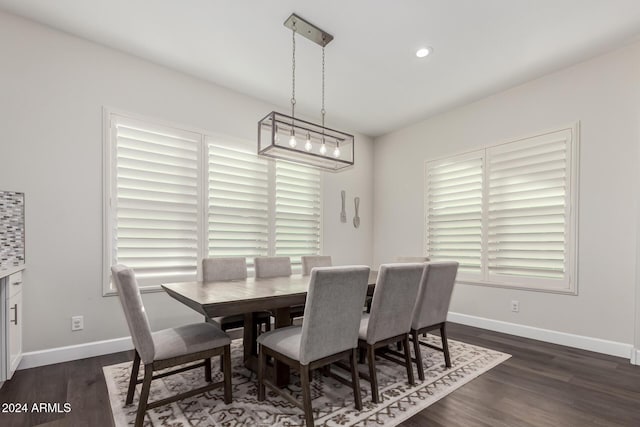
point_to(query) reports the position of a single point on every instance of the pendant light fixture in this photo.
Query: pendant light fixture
(288, 138)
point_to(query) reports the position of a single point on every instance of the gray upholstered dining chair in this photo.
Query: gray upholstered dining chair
(409, 259)
(168, 347)
(390, 318)
(224, 268)
(329, 333)
(231, 268)
(432, 306)
(272, 266)
(311, 261)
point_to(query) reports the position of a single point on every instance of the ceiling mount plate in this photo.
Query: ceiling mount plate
(308, 30)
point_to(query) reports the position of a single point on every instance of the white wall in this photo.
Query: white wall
(52, 90)
(604, 95)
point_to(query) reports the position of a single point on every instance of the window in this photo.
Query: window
(297, 220)
(174, 196)
(259, 207)
(238, 208)
(507, 212)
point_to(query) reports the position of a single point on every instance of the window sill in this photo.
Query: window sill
(550, 290)
(143, 290)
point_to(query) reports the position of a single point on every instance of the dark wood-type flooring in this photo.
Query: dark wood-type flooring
(541, 385)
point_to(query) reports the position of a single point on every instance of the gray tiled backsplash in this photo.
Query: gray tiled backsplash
(11, 229)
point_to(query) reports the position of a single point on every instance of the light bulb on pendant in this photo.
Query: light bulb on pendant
(336, 152)
(323, 148)
(292, 140)
(307, 145)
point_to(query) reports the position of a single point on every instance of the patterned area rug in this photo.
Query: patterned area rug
(332, 401)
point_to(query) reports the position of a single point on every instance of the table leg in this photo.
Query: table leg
(283, 319)
(249, 338)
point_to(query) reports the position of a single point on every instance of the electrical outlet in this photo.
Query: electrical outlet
(515, 306)
(77, 323)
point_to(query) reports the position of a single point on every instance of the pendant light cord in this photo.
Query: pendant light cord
(323, 111)
(293, 72)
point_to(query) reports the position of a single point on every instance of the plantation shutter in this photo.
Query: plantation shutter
(156, 206)
(454, 211)
(297, 211)
(174, 196)
(238, 210)
(528, 207)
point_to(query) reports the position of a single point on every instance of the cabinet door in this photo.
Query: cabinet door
(14, 313)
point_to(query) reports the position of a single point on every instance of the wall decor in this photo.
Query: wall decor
(356, 219)
(343, 212)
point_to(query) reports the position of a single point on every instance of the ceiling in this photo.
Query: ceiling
(375, 83)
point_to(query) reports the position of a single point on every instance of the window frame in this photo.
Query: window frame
(570, 284)
(109, 134)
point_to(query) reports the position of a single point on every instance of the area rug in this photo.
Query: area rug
(332, 401)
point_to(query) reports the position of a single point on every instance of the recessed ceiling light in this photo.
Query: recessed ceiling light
(423, 51)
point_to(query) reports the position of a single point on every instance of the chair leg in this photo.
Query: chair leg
(355, 380)
(262, 365)
(227, 373)
(416, 350)
(445, 345)
(222, 363)
(134, 378)
(326, 370)
(407, 360)
(207, 370)
(362, 354)
(306, 394)
(144, 395)
(371, 354)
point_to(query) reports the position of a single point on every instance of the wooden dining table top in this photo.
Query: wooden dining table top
(225, 298)
(246, 297)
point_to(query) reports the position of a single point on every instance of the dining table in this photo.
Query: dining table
(248, 297)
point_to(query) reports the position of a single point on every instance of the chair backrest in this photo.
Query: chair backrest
(434, 297)
(412, 259)
(129, 293)
(231, 268)
(333, 310)
(272, 266)
(393, 300)
(311, 261)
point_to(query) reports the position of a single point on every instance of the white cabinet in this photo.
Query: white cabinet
(10, 322)
(14, 323)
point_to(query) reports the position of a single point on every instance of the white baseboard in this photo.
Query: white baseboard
(33, 359)
(74, 352)
(98, 348)
(582, 342)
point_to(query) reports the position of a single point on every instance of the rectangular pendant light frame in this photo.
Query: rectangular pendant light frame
(274, 131)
